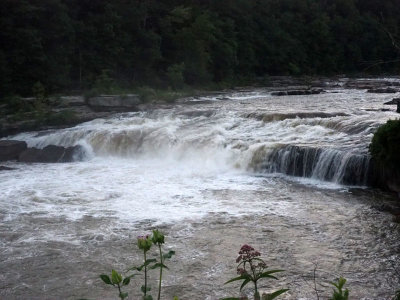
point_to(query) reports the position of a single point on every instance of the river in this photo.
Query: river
(285, 174)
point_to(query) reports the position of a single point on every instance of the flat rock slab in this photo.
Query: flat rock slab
(11, 149)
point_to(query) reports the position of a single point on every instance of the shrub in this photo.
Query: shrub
(385, 145)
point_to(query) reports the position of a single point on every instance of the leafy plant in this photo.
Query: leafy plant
(385, 146)
(117, 281)
(158, 239)
(397, 295)
(144, 243)
(338, 292)
(252, 268)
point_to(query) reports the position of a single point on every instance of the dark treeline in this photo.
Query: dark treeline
(72, 44)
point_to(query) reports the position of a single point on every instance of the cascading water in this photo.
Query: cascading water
(205, 171)
(324, 145)
(321, 164)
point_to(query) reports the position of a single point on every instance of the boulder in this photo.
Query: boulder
(114, 102)
(11, 149)
(52, 154)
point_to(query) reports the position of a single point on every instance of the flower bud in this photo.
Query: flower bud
(158, 237)
(144, 243)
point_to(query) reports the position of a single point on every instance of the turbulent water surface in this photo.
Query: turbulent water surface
(285, 174)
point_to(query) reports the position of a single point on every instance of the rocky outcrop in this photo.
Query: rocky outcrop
(11, 149)
(114, 102)
(383, 177)
(52, 154)
(394, 101)
(297, 92)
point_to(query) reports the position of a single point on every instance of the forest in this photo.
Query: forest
(71, 45)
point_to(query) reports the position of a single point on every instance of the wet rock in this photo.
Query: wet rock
(11, 149)
(114, 102)
(280, 93)
(3, 168)
(396, 218)
(297, 92)
(394, 101)
(388, 90)
(52, 154)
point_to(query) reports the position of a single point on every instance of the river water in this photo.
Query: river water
(285, 174)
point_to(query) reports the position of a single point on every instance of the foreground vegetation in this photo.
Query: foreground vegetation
(385, 145)
(251, 268)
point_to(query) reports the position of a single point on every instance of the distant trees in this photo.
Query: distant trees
(71, 44)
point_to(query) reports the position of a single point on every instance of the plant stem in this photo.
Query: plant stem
(161, 269)
(256, 294)
(145, 275)
(119, 289)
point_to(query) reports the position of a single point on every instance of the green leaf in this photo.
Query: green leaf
(267, 274)
(148, 297)
(146, 263)
(246, 281)
(133, 268)
(158, 265)
(275, 294)
(123, 295)
(241, 277)
(176, 298)
(106, 279)
(169, 254)
(115, 277)
(145, 290)
(126, 281)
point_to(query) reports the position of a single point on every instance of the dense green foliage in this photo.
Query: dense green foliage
(80, 44)
(385, 146)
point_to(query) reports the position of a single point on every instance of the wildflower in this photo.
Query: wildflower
(144, 243)
(241, 271)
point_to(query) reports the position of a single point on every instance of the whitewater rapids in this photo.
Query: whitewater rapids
(285, 174)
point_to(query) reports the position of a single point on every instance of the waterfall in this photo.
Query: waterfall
(323, 164)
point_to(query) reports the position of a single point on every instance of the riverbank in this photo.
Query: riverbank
(57, 112)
